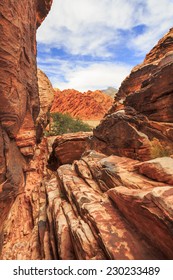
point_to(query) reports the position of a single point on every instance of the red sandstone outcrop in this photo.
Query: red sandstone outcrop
(20, 104)
(83, 206)
(90, 105)
(86, 187)
(141, 117)
(160, 169)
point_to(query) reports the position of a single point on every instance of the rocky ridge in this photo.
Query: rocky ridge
(142, 114)
(90, 105)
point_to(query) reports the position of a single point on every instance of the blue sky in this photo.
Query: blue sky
(93, 44)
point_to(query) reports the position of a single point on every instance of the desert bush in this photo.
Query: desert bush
(64, 123)
(160, 150)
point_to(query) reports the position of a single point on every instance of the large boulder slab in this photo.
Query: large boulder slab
(160, 169)
(69, 147)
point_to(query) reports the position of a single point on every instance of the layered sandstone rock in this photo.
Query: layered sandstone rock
(160, 169)
(46, 95)
(90, 105)
(87, 185)
(20, 104)
(21, 234)
(141, 117)
(83, 206)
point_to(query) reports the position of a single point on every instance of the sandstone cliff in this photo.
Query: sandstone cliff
(20, 104)
(90, 105)
(142, 114)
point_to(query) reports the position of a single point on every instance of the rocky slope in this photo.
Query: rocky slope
(109, 210)
(90, 105)
(87, 205)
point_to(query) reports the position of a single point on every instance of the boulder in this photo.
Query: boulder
(160, 169)
(69, 147)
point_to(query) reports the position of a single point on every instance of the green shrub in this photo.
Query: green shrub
(160, 150)
(64, 123)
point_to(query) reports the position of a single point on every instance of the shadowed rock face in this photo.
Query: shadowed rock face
(46, 95)
(142, 111)
(43, 8)
(19, 104)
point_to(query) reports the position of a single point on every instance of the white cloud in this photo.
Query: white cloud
(84, 76)
(157, 17)
(101, 29)
(87, 26)
(96, 76)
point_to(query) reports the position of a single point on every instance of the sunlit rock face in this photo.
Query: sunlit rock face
(90, 105)
(19, 99)
(142, 114)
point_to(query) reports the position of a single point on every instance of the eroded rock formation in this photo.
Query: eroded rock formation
(90, 105)
(20, 104)
(98, 208)
(46, 95)
(142, 114)
(89, 206)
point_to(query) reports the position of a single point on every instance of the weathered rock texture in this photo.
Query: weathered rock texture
(92, 206)
(98, 207)
(121, 228)
(141, 118)
(19, 104)
(90, 105)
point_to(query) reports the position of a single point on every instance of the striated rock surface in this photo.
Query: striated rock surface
(89, 184)
(46, 95)
(141, 117)
(22, 230)
(20, 103)
(98, 207)
(90, 105)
